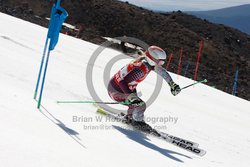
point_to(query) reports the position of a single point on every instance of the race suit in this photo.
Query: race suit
(125, 81)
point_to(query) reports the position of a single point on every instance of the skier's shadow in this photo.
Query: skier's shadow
(140, 138)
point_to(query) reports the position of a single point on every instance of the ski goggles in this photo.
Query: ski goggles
(159, 62)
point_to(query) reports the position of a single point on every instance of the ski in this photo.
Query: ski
(178, 139)
(166, 135)
(179, 142)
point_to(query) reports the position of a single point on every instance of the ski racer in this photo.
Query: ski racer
(122, 86)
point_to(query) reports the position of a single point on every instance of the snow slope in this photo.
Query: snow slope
(52, 137)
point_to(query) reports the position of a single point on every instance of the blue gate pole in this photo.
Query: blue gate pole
(235, 82)
(187, 66)
(41, 67)
(58, 16)
(44, 75)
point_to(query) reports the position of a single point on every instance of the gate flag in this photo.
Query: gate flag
(57, 17)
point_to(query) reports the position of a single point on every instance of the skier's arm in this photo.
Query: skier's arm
(175, 89)
(163, 73)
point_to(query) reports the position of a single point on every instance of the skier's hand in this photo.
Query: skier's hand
(175, 89)
(134, 99)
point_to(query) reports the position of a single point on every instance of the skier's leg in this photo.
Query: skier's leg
(137, 111)
(119, 97)
(114, 94)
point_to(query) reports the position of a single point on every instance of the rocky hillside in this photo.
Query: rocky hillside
(224, 48)
(236, 16)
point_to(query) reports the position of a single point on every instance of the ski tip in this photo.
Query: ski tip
(101, 111)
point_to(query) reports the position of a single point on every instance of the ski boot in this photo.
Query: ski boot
(142, 125)
(126, 118)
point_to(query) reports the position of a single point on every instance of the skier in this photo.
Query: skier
(122, 86)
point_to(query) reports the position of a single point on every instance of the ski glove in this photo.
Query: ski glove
(134, 99)
(175, 89)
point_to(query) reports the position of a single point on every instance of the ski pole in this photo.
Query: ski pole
(202, 81)
(90, 102)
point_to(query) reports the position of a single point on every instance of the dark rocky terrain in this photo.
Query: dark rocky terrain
(224, 48)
